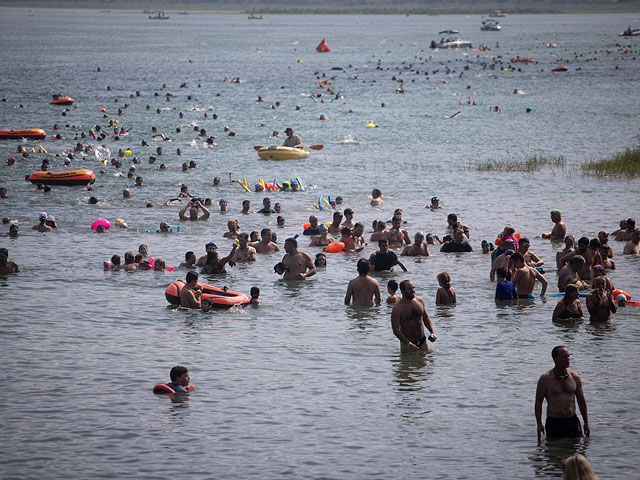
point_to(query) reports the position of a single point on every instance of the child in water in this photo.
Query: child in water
(392, 288)
(255, 294)
(179, 379)
(446, 295)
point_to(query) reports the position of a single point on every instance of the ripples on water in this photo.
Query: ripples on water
(303, 386)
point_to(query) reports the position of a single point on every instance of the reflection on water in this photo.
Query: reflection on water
(548, 457)
(411, 371)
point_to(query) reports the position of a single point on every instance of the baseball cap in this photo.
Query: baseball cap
(288, 129)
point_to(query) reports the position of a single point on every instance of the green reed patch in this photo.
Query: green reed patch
(625, 164)
(529, 164)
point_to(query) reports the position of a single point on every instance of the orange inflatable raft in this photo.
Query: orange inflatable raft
(72, 177)
(220, 298)
(36, 133)
(62, 101)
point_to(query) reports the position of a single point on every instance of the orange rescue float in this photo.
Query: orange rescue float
(220, 297)
(62, 101)
(36, 133)
(72, 177)
(162, 388)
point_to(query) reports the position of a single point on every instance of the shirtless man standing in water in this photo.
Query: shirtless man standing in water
(559, 229)
(525, 277)
(299, 264)
(363, 288)
(561, 387)
(408, 319)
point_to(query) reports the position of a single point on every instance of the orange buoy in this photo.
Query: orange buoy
(334, 247)
(323, 46)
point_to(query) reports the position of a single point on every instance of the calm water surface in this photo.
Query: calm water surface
(304, 387)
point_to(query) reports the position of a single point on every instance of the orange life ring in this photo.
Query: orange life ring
(162, 388)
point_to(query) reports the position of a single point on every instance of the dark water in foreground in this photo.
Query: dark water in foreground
(304, 386)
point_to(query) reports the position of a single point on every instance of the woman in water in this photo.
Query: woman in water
(569, 308)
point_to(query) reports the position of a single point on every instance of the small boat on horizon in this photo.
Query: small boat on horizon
(490, 26)
(451, 42)
(630, 32)
(159, 16)
(255, 16)
(498, 14)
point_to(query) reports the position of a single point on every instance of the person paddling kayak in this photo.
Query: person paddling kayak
(292, 140)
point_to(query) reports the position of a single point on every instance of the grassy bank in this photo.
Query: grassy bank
(625, 164)
(528, 164)
(434, 7)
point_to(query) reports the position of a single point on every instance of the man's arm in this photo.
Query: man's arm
(397, 330)
(582, 404)
(543, 281)
(406, 237)
(206, 214)
(376, 294)
(231, 254)
(398, 262)
(347, 298)
(591, 304)
(541, 393)
(182, 211)
(426, 320)
(310, 266)
(535, 259)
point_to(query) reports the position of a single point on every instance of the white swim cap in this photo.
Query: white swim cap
(621, 298)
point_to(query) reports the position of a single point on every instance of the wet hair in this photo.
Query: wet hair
(517, 257)
(138, 258)
(264, 232)
(556, 351)
(583, 241)
(115, 259)
(345, 231)
(292, 241)
(509, 230)
(631, 223)
(594, 243)
(129, 257)
(191, 276)
(501, 272)
(392, 285)
(452, 217)
(363, 266)
(177, 371)
(381, 225)
(376, 192)
(243, 236)
(524, 240)
(577, 467)
(254, 292)
(571, 288)
(383, 240)
(577, 260)
(444, 279)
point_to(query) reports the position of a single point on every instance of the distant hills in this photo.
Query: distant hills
(425, 7)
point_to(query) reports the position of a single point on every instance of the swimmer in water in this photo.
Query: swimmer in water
(194, 206)
(392, 289)
(234, 229)
(299, 264)
(445, 295)
(560, 229)
(7, 266)
(191, 293)
(189, 260)
(525, 277)
(266, 245)
(244, 253)
(569, 307)
(323, 239)
(435, 204)
(600, 302)
(419, 248)
(255, 296)
(363, 289)
(376, 198)
(633, 246)
(179, 379)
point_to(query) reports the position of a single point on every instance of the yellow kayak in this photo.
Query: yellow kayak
(282, 153)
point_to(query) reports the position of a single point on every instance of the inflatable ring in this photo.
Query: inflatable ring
(498, 242)
(334, 247)
(101, 221)
(306, 225)
(162, 388)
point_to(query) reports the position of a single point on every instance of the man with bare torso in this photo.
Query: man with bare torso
(244, 252)
(559, 229)
(600, 302)
(9, 266)
(408, 319)
(525, 277)
(561, 387)
(419, 248)
(266, 244)
(299, 265)
(363, 288)
(569, 273)
(191, 292)
(633, 246)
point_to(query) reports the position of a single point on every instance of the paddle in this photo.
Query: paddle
(311, 147)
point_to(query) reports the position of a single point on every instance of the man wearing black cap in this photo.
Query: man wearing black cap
(292, 140)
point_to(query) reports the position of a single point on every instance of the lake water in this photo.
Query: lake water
(304, 387)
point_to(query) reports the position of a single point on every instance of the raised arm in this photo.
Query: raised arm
(181, 214)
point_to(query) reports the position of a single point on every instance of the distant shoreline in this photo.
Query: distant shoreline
(336, 9)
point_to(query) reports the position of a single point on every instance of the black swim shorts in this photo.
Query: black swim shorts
(563, 427)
